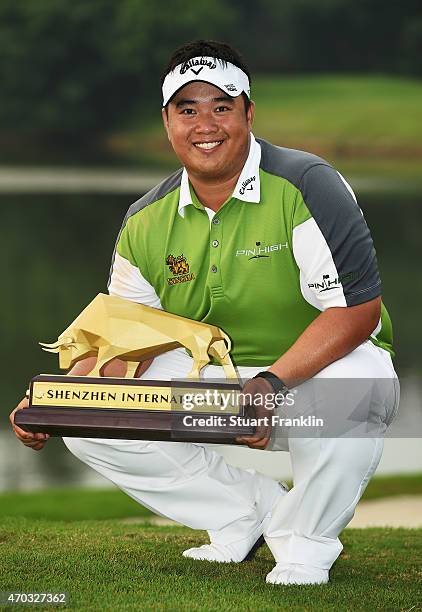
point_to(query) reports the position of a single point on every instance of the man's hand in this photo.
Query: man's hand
(116, 367)
(36, 441)
(258, 389)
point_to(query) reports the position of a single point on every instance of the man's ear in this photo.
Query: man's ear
(165, 115)
(250, 114)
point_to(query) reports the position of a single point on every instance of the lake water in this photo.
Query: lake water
(56, 254)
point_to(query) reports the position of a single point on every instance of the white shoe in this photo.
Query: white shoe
(295, 573)
(231, 553)
(239, 541)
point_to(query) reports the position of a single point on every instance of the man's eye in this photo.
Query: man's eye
(222, 109)
(188, 111)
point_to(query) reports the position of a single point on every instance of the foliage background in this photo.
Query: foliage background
(80, 87)
(88, 66)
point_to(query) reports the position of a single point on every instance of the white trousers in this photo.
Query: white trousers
(193, 485)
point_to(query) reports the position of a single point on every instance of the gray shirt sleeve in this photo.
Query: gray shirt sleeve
(334, 249)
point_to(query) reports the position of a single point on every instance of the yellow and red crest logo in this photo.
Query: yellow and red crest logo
(179, 268)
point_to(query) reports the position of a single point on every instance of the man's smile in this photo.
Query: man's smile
(208, 145)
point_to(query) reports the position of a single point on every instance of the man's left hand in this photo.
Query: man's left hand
(258, 389)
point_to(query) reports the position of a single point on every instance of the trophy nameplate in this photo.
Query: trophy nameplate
(95, 406)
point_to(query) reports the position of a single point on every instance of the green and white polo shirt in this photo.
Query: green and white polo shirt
(289, 243)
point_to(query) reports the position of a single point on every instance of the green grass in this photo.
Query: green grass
(366, 125)
(104, 565)
(70, 504)
(391, 486)
(75, 540)
(370, 110)
(75, 504)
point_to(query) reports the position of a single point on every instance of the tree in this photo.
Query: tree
(84, 66)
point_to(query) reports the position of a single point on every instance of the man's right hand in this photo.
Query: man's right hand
(116, 367)
(36, 441)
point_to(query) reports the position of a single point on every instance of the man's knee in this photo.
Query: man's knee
(139, 457)
(352, 456)
(94, 448)
(78, 447)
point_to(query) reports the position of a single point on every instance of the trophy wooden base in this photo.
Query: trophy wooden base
(64, 406)
(129, 425)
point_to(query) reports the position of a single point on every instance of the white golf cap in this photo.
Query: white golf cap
(224, 75)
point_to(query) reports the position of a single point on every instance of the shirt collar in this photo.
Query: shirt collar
(248, 187)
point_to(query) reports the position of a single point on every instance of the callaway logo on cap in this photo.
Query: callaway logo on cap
(224, 75)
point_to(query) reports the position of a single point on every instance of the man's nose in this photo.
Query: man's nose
(205, 123)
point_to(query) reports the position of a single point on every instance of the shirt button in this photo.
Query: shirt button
(216, 221)
(213, 268)
(215, 243)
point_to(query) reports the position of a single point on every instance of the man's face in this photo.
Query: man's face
(209, 131)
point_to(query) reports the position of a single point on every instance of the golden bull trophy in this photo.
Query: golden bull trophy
(131, 408)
